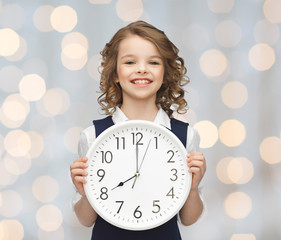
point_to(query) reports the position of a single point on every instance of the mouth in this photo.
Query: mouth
(141, 81)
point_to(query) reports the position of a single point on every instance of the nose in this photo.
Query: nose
(141, 69)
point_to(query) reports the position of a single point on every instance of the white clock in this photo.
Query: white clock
(137, 177)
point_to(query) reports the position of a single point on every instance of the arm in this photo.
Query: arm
(193, 206)
(83, 210)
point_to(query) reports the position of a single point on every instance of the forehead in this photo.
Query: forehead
(136, 45)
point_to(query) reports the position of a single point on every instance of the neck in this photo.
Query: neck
(140, 111)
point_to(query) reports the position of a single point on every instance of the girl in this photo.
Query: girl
(142, 78)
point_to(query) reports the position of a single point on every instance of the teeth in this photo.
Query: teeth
(141, 82)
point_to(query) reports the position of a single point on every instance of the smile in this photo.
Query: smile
(141, 81)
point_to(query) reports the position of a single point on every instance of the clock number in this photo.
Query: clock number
(137, 213)
(101, 174)
(156, 142)
(156, 206)
(174, 174)
(120, 142)
(138, 136)
(171, 193)
(121, 204)
(172, 155)
(103, 194)
(106, 156)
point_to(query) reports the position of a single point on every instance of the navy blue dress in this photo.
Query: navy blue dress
(103, 230)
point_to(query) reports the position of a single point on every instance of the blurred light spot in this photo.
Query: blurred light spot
(63, 18)
(74, 64)
(213, 63)
(37, 144)
(57, 234)
(245, 236)
(129, 10)
(195, 37)
(271, 10)
(49, 218)
(55, 101)
(32, 87)
(240, 170)
(221, 170)
(228, 33)
(71, 138)
(35, 66)
(270, 150)
(74, 51)
(6, 178)
(14, 110)
(75, 38)
(261, 57)
(238, 205)
(100, 1)
(266, 32)
(11, 204)
(45, 188)
(220, 6)
(10, 77)
(9, 42)
(12, 16)
(232, 133)
(11, 230)
(17, 165)
(234, 94)
(17, 143)
(41, 18)
(208, 133)
(93, 66)
(20, 53)
(8, 122)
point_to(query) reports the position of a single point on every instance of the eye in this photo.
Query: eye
(130, 62)
(154, 63)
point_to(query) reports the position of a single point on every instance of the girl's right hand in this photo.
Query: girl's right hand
(78, 174)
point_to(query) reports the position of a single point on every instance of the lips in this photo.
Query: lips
(141, 81)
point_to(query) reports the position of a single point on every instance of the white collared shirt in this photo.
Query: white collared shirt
(88, 135)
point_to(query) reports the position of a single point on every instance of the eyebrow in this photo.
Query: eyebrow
(131, 55)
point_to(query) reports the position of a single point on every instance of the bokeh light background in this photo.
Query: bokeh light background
(49, 55)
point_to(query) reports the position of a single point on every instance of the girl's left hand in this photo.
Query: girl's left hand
(197, 166)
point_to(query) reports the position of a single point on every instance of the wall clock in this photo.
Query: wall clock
(137, 175)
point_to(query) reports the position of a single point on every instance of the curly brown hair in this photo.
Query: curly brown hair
(171, 93)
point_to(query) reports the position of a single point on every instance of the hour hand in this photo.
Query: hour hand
(122, 183)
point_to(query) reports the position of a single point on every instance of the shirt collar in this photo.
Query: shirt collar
(161, 118)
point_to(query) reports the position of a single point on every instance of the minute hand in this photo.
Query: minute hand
(144, 155)
(138, 172)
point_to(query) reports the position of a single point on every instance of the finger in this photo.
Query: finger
(195, 153)
(80, 179)
(195, 163)
(78, 172)
(195, 157)
(82, 159)
(82, 165)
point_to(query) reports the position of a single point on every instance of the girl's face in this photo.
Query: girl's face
(140, 69)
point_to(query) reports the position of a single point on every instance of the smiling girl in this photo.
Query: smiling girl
(141, 79)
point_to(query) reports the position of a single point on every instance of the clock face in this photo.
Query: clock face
(137, 175)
